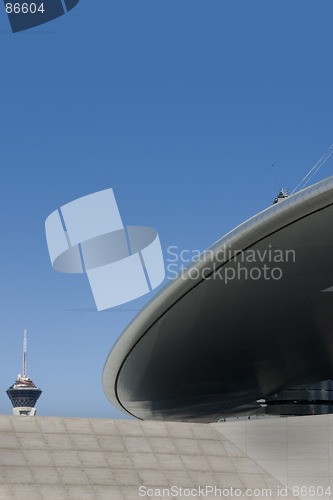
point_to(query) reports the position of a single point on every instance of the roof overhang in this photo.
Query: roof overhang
(203, 348)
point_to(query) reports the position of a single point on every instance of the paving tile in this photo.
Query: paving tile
(8, 441)
(137, 444)
(51, 425)
(78, 426)
(104, 426)
(144, 461)
(130, 492)
(153, 477)
(195, 463)
(12, 457)
(118, 460)
(73, 475)
(229, 480)
(100, 476)
(108, 493)
(38, 458)
(154, 429)
(187, 446)
(126, 477)
(212, 447)
(26, 492)
(245, 465)
(6, 493)
(17, 475)
(220, 464)
(253, 481)
(81, 493)
(58, 442)
(111, 443)
(85, 442)
(92, 459)
(204, 479)
(24, 424)
(45, 475)
(180, 430)
(129, 428)
(178, 478)
(51, 492)
(6, 423)
(162, 445)
(232, 450)
(169, 461)
(202, 431)
(66, 458)
(32, 440)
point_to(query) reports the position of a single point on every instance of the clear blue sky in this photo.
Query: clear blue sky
(181, 107)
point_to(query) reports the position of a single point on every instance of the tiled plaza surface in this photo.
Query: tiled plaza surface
(50, 458)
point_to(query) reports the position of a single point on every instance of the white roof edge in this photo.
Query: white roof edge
(259, 226)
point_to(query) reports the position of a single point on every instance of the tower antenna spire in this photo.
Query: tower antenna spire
(24, 373)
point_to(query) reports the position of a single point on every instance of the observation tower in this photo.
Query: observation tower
(23, 393)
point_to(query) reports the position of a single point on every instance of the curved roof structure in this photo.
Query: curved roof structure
(252, 317)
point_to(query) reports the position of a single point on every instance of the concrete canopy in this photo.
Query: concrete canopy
(207, 347)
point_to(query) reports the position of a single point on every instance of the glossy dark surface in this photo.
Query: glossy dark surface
(223, 346)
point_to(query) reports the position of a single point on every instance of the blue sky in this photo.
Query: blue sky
(181, 107)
